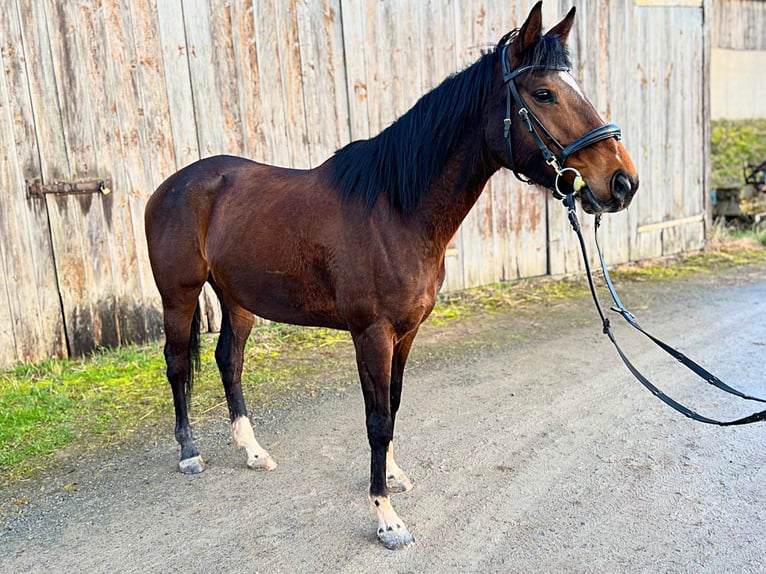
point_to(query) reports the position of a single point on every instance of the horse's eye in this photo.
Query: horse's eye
(544, 96)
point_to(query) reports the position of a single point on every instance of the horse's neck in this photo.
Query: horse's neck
(454, 193)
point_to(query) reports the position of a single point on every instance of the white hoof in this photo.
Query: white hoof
(391, 529)
(259, 462)
(193, 465)
(397, 484)
(257, 457)
(395, 538)
(396, 479)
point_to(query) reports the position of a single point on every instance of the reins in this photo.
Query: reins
(619, 308)
(535, 126)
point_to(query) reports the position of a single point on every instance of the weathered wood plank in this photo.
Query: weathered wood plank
(175, 64)
(248, 91)
(134, 67)
(323, 78)
(29, 273)
(133, 165)
(476, 232)
(214, 79)
(10, 290)
(739, 24)
(79, 226)
(282, 113)
(112, 156)
(355, 48)
(155, 137)
(289, 69)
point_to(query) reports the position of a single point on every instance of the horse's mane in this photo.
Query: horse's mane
(406, 158)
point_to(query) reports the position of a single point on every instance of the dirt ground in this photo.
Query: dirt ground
(531, 448)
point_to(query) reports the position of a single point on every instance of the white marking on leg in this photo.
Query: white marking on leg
(257, 458)
(396, 478)
(391, 529)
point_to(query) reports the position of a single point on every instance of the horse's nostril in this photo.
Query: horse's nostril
(622, 185)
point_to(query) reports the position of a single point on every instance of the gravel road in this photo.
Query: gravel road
(531, 448)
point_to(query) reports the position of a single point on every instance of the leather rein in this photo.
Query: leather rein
(619, 308)
(557, 163)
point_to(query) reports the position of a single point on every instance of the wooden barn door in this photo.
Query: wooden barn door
(31, 324)
(77, 179)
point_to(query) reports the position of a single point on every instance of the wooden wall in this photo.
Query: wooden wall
(738, 33)
(739, 24)
(132, 90)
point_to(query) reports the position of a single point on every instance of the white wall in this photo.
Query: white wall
(738, 84)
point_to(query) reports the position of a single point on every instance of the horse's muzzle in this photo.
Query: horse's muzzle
(622, 188)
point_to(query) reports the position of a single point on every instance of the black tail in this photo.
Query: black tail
(194, 362)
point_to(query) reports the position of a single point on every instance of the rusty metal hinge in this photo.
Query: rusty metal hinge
(36, 188)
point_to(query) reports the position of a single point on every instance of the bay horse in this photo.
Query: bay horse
(358, 243)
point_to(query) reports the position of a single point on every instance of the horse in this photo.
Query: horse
(358, 243)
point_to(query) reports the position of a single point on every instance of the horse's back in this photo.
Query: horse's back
(194, 183)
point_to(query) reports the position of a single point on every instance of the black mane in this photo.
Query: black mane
(405, 158)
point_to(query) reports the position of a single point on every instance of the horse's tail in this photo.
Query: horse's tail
(194, 362)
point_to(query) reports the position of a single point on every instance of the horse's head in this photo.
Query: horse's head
(550, 131)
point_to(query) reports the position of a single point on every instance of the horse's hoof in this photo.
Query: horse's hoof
(193, 465)
(398, 485)
(262, 463)
(395, 538)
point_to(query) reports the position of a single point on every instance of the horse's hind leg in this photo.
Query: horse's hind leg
(181, 348)
(229, 355)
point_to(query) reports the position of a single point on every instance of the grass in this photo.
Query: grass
(49, 405)
(104, 398)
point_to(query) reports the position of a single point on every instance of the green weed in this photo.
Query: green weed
(735, 143)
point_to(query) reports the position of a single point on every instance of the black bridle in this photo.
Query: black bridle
(535, 126)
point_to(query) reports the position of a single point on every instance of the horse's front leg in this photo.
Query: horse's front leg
(374, 352)
(396, 479)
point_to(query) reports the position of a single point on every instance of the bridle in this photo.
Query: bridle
(558, 163)
(535, 126)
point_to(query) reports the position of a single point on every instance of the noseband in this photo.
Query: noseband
(535, 126)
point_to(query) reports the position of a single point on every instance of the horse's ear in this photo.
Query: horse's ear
(532, 29)
(562, 28)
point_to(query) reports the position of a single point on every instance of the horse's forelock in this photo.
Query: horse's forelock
(548, 53)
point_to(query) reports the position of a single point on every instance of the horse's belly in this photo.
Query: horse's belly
(277, 296)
